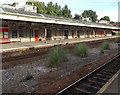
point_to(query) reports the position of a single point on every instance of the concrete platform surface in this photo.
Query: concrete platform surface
(112, 87)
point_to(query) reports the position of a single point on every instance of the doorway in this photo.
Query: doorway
(48, 34)
(36, 35)
(78, 34)
(66, 33)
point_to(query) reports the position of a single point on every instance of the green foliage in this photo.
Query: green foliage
(111, 22)
(51, 9)
(117, 40)
(77, 16)
(41, 8)
(105, 18)
(91, 14)
(118, 33)
(56, 57)
(105, 45)
(66, 12)
(81, 50)
(102, 50)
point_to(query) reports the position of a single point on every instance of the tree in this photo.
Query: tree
(66, 12)
(91, 14)
(50, 9)
(57, 9)
(77, 16)
(105, 18)
(60, 10)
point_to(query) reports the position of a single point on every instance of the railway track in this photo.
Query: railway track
(37, 52)
(94, 81)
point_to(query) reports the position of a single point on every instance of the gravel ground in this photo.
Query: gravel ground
(14, 78)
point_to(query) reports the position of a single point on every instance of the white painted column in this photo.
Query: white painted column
(45, 33)
(93, 33)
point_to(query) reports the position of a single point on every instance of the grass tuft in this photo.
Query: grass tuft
(102, 50)
(105, 46)
(117, 40)
(56, 57)
(81, 50)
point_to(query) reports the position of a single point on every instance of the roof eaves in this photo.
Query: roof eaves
(69, 21)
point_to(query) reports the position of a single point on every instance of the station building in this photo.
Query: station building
(26, 26)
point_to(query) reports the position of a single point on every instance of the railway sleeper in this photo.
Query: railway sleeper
(114, 69)
(112, 72)
(83, 91)
(95, 84)
(104, 75)
(114, 65)
(107, 73)
(95, 81)
(91, 86)
(101, 79)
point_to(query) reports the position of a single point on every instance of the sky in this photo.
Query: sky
(102, 7)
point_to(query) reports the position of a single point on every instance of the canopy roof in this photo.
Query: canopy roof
(47, 18)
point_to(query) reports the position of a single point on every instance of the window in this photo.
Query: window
(21, 34)
(1, 34)
(5, 34)
(14, 34)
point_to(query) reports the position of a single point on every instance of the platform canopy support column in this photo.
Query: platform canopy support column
(45, 32)
(94, 32)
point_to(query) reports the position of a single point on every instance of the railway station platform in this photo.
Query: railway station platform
(48, 43)
(112, 87)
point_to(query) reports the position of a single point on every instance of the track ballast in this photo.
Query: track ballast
(94, 81)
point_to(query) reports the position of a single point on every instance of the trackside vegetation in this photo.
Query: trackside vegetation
(82, 50)
(102, 50)
(56, 57)
(104, 46)
(117, 40)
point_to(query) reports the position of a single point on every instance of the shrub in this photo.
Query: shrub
(81, 50)
(117, 40)
(57, 56)
(102, 50)
(105, 45)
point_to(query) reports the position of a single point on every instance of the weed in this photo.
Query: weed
(81, 50)
(106, 46)
(117, 40)
(57, 56)
(102, 50)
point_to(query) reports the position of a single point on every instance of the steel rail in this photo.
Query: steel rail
(86, 75)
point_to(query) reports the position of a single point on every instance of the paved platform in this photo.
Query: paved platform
(27, 45)
(112, 87)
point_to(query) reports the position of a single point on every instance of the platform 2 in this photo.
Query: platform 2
(27, 45)
(112, 87)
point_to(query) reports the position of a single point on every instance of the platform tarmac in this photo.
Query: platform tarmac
(112, 87)
(26, 45)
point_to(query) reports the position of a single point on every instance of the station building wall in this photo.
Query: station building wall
(29, 31)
